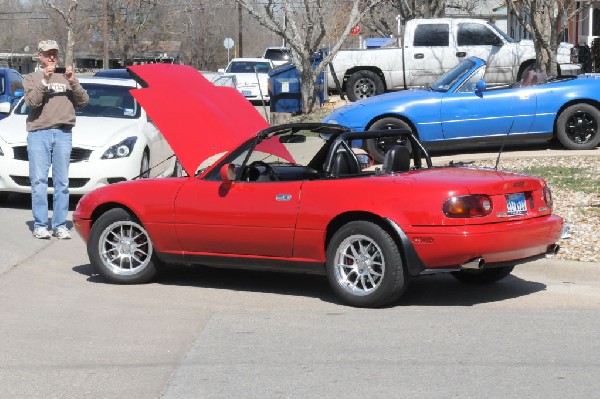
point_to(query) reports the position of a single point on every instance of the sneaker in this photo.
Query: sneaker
(41, 232)
(62, 233)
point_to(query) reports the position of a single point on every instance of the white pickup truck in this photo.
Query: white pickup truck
(430, 47)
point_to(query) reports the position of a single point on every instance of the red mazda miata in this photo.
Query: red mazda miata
(299, 197)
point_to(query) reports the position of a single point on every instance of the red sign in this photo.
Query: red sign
(355, 30)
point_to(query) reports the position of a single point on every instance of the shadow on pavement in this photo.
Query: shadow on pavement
(431, 290)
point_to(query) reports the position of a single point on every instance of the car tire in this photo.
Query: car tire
(145, 165)
(363, 84)
(364, 265)
(377, 147)
(120, 249)
(485, 276)
(578, 127)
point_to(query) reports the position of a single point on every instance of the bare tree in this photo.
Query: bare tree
(67, 9)
(129, 21)
(546, 20)
(302, 24)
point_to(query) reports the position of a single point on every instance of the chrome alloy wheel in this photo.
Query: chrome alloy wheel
(359, 265)
(125, 248)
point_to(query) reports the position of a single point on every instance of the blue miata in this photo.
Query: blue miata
(459, 110)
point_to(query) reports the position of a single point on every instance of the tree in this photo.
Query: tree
(302, 25)
(67, 9)
(546, 20)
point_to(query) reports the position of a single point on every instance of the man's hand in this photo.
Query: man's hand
(48, 71)
(70, 75)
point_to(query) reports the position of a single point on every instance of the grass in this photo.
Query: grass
(570, 178)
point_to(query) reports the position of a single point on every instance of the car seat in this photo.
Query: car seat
(344, 163)
(396, 159)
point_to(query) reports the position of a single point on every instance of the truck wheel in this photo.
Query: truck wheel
(577, 127)
(485, 276)
(364, 265)
(363, 84)
(378, 147)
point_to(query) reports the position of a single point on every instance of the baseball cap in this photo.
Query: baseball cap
(46, 45)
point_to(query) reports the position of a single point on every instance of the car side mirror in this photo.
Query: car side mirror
(19, 93)
(227, 173)
(480, 87)
(4, 108)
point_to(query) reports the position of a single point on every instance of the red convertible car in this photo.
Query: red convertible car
(298, 197)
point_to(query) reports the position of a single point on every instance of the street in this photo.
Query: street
(200, 332)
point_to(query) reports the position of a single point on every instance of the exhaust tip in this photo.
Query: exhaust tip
(553, 249)
(475, 263)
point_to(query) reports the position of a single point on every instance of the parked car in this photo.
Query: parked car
(252, 77)
(11, 88)
(113, 141)
(296, 197)
(459, 110)
(278, 55)
(120, 73)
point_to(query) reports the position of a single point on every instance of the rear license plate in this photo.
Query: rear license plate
(246, 93)
(516, 204)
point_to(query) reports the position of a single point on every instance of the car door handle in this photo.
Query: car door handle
(283, 197)
(419, 56)
(461, 54)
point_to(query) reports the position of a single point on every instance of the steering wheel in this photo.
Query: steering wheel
(268, 170)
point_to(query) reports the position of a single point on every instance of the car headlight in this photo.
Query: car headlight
(121, 150)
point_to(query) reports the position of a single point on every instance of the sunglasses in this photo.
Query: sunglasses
(49, 54)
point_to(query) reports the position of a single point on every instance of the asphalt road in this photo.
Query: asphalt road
(207, 333)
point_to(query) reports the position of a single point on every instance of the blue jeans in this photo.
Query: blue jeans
(49, 147)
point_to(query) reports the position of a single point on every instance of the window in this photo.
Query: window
(248, 67)
(432, 35)
(470, 34)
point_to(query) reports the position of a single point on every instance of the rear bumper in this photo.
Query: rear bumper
(509, 242)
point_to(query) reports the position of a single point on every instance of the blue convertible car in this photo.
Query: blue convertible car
(458, 110)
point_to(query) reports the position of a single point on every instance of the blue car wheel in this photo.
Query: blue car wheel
(577, 127)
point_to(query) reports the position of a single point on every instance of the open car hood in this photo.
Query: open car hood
(197, 118)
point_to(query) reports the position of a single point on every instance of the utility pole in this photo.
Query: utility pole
(105, 60)
(239, 7)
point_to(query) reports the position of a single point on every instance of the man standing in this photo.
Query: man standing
(52, 96)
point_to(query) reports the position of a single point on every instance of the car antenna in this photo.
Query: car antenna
(502, 146)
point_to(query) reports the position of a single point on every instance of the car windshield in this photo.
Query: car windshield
(1, 83)
(248, 67)
(277, 54)
(501, 33)
(449, 79)
(105, 101)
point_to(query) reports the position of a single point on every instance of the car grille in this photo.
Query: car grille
(73, 183)
(77, 154)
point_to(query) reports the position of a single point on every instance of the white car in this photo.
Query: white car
(113, 141)
(278, 55)
(246, 71)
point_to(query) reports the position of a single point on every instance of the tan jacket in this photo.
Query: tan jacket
(52, 104)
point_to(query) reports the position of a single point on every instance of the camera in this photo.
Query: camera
(60, 70)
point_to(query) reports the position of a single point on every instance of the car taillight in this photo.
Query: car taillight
(468, 206)
(547, 196)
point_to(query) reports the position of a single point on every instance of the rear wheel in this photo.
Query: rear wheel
(378, 147)
(577, 127)
(363, 84)
(485, 276)
(120, 249)
(364, 265)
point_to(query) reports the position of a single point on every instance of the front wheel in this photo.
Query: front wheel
(364, 265)
(363, 84)
(378, 147)
(577, 127)
(485, 276)
(120, 249)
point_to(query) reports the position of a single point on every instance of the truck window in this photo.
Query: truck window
(470, 34)
(432, 35)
